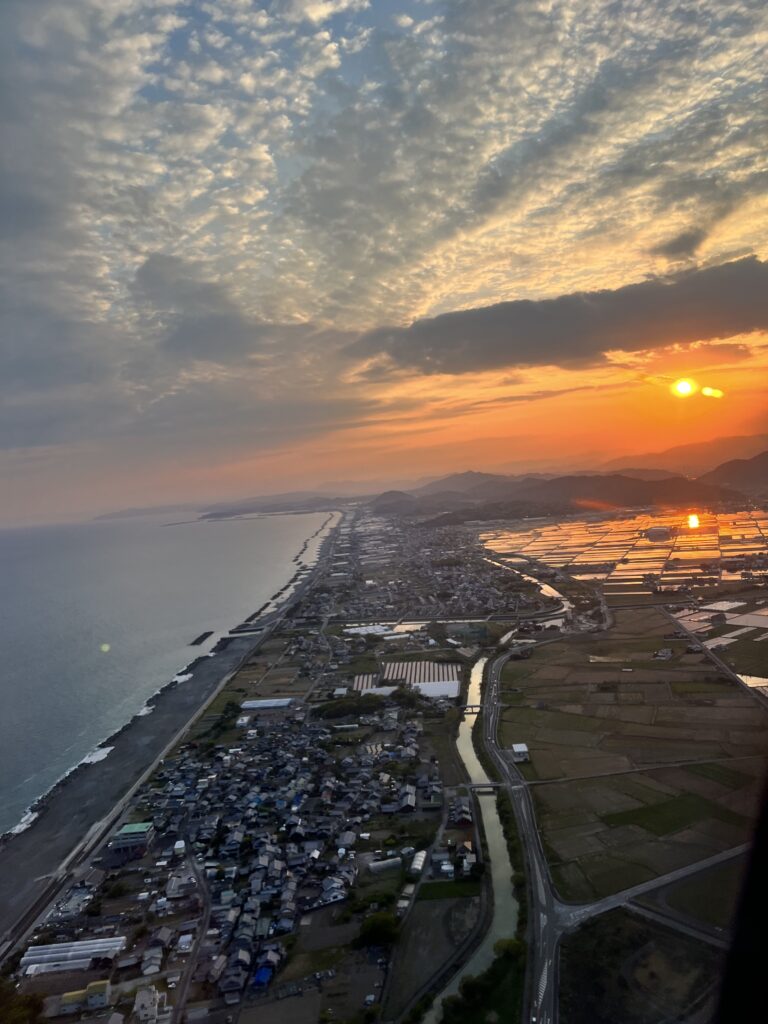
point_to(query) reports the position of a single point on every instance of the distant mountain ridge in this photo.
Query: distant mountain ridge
(747, 475)
(694, 459)
(495, 497)
(471, 490)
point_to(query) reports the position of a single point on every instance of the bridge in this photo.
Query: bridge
(471, 708)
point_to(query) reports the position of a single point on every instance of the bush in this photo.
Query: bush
(351, 706)
(379, 929)
(475, 991)
(18, 1009)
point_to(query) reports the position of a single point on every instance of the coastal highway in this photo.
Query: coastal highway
(549, 917)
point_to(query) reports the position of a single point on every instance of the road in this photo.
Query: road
(186, 980)
(715, 659)
(19, 919)
(550, 917)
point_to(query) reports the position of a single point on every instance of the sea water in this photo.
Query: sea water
(96, 617)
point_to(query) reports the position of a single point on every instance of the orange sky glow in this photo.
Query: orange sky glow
(259, 248)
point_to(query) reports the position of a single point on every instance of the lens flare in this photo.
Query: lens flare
(693, 521)
(712, 392)
(684, 387)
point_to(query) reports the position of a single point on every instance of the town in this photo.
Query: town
(317, 840)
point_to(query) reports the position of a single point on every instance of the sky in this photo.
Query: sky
(253, 247)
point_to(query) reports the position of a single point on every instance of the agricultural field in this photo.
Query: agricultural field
(440, 926)
(620, 967)
(706, 898)
(638, 766)
(684, 553)
(438, 741)
(273, 671)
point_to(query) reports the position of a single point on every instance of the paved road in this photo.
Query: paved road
(715, 659)
(36, 866)
(543, 910)
(550, 917)
(575, 915)
(202, 888)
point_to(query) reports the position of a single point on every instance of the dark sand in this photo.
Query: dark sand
(93, 795)
(92, 792)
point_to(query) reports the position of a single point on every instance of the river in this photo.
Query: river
(505, 909)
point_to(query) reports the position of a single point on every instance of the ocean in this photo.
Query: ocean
(96, 617)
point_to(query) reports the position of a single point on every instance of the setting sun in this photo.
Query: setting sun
(684, 387)
(693, 521)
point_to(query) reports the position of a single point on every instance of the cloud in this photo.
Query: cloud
(684, 244)
(316, 11)
(578, 329)
(195, 318)
(202, 205)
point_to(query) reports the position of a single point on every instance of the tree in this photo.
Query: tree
(19, 1009)
(405, 697)
(378, 929)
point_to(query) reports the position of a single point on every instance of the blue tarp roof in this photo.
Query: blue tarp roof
(262, 977)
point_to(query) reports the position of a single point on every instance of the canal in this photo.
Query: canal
(504, 922)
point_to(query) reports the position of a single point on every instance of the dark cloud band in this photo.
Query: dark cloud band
(577, 329)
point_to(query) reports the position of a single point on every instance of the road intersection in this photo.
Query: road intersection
(549, 917)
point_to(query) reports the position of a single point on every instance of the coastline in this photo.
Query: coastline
(67, 821)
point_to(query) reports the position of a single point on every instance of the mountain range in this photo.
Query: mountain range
(473, 495)
(636, 484)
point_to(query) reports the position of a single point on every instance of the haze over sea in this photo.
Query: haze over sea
(144, 588)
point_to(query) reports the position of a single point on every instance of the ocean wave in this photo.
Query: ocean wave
(26, 820)
(96, 755)
(99, 753)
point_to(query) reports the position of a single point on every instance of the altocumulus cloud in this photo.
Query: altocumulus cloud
(202, 204)
(578, 329)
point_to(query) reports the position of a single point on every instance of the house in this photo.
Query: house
(97, 995)
(150, 1007)
(131, 841)
(262, 977)
(520, 753)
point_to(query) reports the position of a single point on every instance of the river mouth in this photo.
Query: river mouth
(505, 907)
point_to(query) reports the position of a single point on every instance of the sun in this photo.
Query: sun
(684, 387)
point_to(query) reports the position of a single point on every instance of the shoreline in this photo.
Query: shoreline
(89, 796)
(271, 607)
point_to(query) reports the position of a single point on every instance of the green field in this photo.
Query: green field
(673, 815)
(464, 887)
(720, 773)
(701, 686)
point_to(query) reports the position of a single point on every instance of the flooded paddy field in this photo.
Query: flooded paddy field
(636, 556)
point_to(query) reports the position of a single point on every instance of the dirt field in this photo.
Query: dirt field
(575, 710)
(439, 926)
(637, 772)
(624, 968)
(709, 897)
